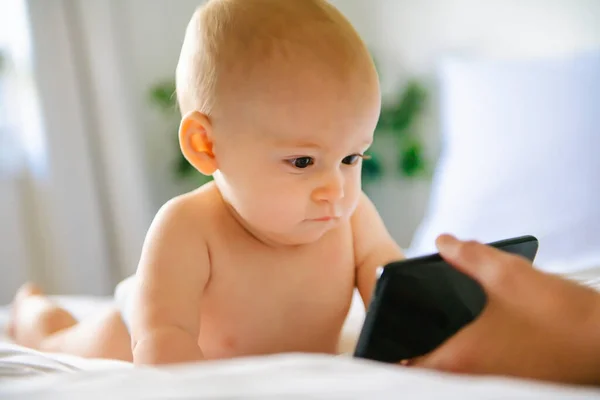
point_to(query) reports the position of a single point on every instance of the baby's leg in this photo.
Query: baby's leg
(39, 323)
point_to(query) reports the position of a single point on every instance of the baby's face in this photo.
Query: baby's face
(290, 158)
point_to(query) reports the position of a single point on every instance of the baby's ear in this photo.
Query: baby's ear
(196, 144)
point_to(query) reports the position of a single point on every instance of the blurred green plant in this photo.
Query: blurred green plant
(397, 119)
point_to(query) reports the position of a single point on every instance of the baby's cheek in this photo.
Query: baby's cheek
(280, 205)
(352, 195)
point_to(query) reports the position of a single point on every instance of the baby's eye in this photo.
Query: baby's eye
(351, 159)
(302, 162)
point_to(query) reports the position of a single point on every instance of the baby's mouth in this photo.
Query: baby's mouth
(326, 218)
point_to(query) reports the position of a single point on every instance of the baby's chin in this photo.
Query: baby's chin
(304, 233)
(307, 233)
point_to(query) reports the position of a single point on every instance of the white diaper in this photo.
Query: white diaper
(123, 293)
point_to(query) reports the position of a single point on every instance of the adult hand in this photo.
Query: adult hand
(535, 325)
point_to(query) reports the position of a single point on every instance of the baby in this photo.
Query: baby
(279, 102)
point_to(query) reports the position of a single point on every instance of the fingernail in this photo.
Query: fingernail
(446, 243)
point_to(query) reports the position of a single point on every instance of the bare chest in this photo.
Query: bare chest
(268, 301)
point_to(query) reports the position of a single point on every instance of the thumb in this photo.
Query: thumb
(481, 262)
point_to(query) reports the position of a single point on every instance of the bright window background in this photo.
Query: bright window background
(21, 138)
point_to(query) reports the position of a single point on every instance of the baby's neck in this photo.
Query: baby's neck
(256, 234)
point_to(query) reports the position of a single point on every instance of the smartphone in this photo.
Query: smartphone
(418, 303)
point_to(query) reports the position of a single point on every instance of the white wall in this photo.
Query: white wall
(418, 33)
(408, 37)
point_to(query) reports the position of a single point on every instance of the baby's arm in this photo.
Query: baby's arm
(173, 272)
(373, 247)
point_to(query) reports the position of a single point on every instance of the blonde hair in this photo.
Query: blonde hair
(228, 42)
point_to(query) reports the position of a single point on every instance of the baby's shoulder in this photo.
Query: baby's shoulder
(192, 213)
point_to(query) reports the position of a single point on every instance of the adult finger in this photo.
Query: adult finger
(489, 266)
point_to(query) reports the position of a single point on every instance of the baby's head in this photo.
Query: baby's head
(280, 99)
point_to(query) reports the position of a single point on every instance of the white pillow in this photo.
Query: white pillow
(521, 155)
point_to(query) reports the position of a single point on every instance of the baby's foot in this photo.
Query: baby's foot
(25, 291)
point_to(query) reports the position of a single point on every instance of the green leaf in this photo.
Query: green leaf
(412, 162)
(164, 95)
(410, 106)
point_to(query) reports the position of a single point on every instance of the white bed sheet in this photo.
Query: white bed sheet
(30, 374)
(290, 376)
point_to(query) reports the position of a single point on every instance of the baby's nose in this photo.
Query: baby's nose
(331, 190)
